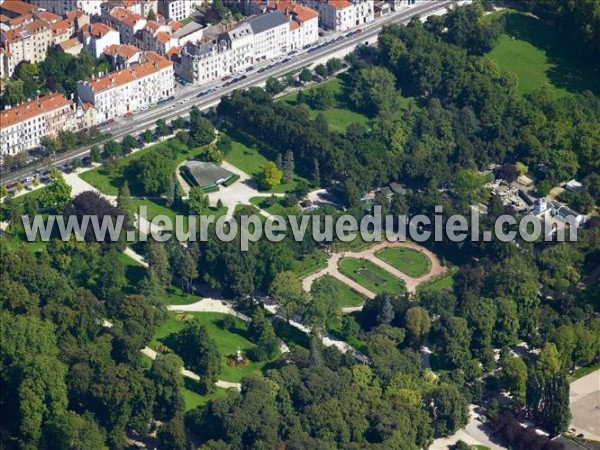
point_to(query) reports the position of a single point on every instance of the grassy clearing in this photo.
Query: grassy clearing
(412, 262)
(342, 295)
(540, 56)
(109, 182)
(250, 156)
(227, 341)
(443, 283)
(192, 397)
(333, 328)
(310, 263)
(370, 276)
(274, 206)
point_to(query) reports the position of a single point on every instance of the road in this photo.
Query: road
(188, 95)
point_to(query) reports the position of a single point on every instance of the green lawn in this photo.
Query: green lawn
(412, 262)
(227, 341)
(334, 289)
(342, 114)
(250, 156)
(193, 398)
(276, 208)
(374, 278)
(442, 283)
(539, 56)
(311, 262)
(109, 182)
(334, 330)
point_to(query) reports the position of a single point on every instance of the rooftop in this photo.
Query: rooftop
(267, 21)
(33, 108)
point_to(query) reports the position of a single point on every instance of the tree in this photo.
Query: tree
(273, 86)
(199, 352)
(128, 144)
(154, 170)
(333, 65)
(95, 154)
(197, 200)
(321, 70)
(189, 270)
(58, 194)
(162, 129)
(171, 435)
(316, 173)
(158, 261)
(286, 289)
(506, 329)
(112, 150)
(288, 167)
(270, 176)
(67, 139)
(76, 164)
(375, 91)
(72, 431)
(262, 333)
(448, 408)
(305, 75)
(151, 14)
(548, 364)
(514, 376)
(455, 341)
(202, 131)
(469, 187)
(49, 143)
(168, 383)
(125, 204)
(148, 136)
(111, 278)
(417, 324)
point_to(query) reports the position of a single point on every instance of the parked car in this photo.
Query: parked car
(128, 115)
(111, 121)
(250, 69)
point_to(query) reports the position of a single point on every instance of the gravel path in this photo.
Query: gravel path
(585, 405)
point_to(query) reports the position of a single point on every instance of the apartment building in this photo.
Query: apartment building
(271, 33)
(98, 36)
(131, 89)
(126, 23)
(123, 56)
(25, 125)
(304, 25)
(16, 13)
(176, 9)
(29, 42)
(90, 7)
(341, 15)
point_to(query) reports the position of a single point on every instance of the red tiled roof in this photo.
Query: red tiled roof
(153, 64)
(33, 108)
(126, 16)
(100, 29)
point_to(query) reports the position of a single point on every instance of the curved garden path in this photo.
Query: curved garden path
(369, 254)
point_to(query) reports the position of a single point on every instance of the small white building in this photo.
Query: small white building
(130, 89)
(556, 215)
(342, 15)
(176, 9)
(98, 37)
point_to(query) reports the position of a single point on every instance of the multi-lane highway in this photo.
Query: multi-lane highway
(188, 97)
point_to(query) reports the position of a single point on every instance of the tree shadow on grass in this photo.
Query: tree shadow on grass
(571, 69)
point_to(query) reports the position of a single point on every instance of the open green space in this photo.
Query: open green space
(370, 276)
(108, 180)
(274, 206)
(227, 341)
(540, 56)
(250, 156)
(342, 295)
(412, 262)
(309, 263)
(192, 397)
(334, 328)
(342, 114)
(441, 283)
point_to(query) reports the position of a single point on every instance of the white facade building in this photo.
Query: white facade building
(341, 15)
(130, 89)
(90, 7)
(98, 37)
(176, 9)
(25, 125)
(271, 32)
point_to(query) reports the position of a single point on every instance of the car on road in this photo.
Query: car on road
(129, 115)
(250, 69)
(262, 69)
(226, 77)
(359, 31)
(111, 121)
(171, 98)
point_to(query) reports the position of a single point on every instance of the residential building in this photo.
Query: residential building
(304, 25)
(126, 23)
(555, 216)
(341, 15)
(131, 89)
(122, 56)
(175, 9)
(25, 125)
(205, 61)
(16, 13)
(71, 46)
(271, 32)
(89, 7)
(29, 43)
(98, 37)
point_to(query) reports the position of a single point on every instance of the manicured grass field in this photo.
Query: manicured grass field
(227, 341)
(342, 114)
(412, 262)
(250, 156)
(276, 208)
(109, 182)
(539, 56)
(193, 398)
(370, 276)
(443, 283)
(312, 262)
(341, 294)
